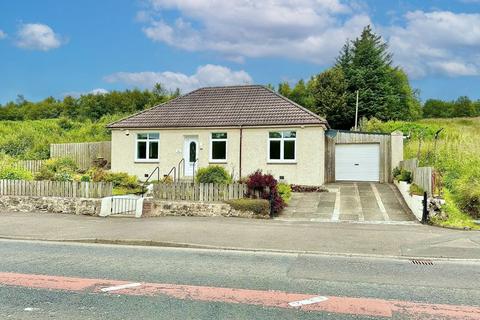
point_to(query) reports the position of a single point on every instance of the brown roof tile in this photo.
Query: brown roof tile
(249, 105)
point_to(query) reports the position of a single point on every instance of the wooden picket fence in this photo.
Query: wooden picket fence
(82, 153)
(205, 192)
(30, 165)
(69, 189)
(422, 176)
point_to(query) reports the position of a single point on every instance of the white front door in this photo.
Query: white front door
(190, 154)
(357, 162)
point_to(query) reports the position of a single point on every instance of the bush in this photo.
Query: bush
(285, 192)
(12, 173)
(122, 179)
(57, 169)
(213, 174)
(416, 190)
(259, 182)
(257, 206)
(404, 175)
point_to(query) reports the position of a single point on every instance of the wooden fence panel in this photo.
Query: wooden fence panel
(423, 177)
(30, 165)
(69, 189)
(205, 192)
(83, 153)
(410, 164)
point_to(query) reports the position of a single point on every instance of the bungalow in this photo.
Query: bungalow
(245, 128)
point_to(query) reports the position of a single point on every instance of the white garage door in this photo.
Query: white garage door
(357, 162)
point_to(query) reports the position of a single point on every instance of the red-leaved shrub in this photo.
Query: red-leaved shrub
(266, 186)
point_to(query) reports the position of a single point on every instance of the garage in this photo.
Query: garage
(357, 162)
(362, 156)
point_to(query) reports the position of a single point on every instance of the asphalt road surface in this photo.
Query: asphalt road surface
(42, 280)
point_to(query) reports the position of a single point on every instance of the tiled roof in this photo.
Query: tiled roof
(248, 105)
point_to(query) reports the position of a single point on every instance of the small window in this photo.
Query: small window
(281, 146)
(218, 147)
(147, 146)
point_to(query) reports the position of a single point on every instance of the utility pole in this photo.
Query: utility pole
(356, 114)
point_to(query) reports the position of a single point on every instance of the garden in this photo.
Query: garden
(451, 147)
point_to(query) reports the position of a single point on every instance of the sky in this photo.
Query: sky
(58, 48)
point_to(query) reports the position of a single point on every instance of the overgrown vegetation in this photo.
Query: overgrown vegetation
(285, 191)
(8, 169)
(416, 190)
(455, 155)
(402, 175)
(213, 174)
(31, 139)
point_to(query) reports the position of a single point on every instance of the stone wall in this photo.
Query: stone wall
(197, 209)
(85, 206)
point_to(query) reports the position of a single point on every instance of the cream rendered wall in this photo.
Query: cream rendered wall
(308, 170)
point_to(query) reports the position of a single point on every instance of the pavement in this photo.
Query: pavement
(48, 280)
(334, 238)
(349, 201)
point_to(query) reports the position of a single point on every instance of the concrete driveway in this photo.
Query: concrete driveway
(355, 201)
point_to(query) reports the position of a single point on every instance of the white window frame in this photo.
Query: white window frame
(211, 148)
(282, 140)
(147, 140)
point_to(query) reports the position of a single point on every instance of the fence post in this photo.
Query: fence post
(425, 208)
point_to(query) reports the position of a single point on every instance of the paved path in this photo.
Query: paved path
(41, 280)
(414, 240)
(358, 202)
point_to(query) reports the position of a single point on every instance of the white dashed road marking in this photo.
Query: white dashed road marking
(307, 301)
(120, 287)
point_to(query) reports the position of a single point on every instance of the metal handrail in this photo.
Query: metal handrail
(174, 169)
(157, 169)
(179, 166)
(193, 175)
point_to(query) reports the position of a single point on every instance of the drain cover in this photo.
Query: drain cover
(422, 262)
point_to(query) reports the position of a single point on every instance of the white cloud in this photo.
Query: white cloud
(423, 43)
(439, 42)
(99, 91)
(207, 75)
(3, 35)
(37, 36)
(312, 30)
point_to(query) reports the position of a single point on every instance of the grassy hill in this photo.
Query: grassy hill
(30, 139)
(455, 155)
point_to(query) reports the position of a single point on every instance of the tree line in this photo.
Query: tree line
(89, 106)
(364, 66)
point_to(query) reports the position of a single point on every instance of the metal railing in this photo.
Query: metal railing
(144, 186)
(193, 175)
(182, 161)
(123, 205)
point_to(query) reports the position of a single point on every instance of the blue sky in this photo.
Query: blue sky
(54, 47)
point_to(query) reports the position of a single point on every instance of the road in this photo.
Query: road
(46, 280)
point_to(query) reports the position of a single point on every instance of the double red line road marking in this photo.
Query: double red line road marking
(274, 299)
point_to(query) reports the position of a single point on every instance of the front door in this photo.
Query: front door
(190, 154)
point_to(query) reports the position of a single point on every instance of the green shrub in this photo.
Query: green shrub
(57, 169)
(213, 174)
(12, 173)
(416, 190)
(404, 175)
(396, 171)
(257, 206)
(122, 179)
(285, 191)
